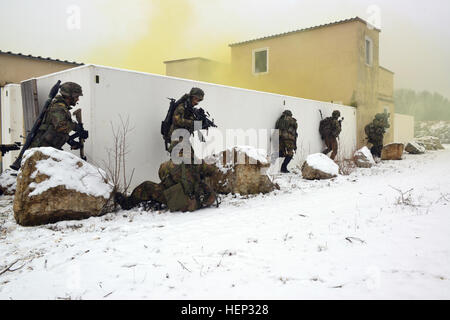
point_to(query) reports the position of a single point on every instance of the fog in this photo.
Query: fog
(140, 34)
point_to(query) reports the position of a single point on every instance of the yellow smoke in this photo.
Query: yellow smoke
(175, 31)
(171, 34)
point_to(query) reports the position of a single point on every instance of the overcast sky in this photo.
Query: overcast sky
(140, 34)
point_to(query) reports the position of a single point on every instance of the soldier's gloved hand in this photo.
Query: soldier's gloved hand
(84, 134)
(74, 145)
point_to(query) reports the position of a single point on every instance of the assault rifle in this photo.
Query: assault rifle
(5, 148)
(203, 116)
(82, 134)
(37, 123)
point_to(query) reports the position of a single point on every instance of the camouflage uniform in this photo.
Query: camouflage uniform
(185, 185)
(375, 132)
(57, 123)
(183, 118)
(182, 188)
(146, 191)
(288, 137)
(329, 129)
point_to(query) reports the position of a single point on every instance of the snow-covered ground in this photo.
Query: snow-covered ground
(350, 237)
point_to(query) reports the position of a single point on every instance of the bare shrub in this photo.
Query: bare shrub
(116, 163)
(346, 166)
(405, 197)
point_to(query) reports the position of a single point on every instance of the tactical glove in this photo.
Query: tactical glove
(84, 134)
(74, 145)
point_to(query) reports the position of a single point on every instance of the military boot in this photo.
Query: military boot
(285, 164)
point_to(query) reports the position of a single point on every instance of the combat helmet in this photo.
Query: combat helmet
(71, 89)
(287, 113)
(336, 114)
(197, 92)
(382, 119)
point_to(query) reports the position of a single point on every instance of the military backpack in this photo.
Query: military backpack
(325, 127)
(167, 122)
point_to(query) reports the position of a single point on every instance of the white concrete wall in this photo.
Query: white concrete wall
(404, 128)
(12, 120)
(143, 98)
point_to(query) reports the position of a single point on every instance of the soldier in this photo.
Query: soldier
(183, 117)
(57, 122)
(183, 188)
(288, 138)
(329, 130)
(375, 132)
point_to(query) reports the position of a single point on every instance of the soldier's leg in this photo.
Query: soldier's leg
(376, 150)
(334, 147)
(286, 161)
(328, 146)
(146, 191)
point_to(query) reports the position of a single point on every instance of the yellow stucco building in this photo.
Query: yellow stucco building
(336, 62)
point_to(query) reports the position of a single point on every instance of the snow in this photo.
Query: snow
(321, 162)
(257, 154)
(366, 153)
(7, 180)
(64, 169)
(252, 152)
(361, 236)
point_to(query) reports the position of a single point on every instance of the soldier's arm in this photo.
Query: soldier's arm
(180, 121)
(277, 124)
(60, 122)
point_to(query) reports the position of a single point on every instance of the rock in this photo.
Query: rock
(414, 148)
(8, 182)
(242, 170)
(392, 151)
(363, 158)
(430, 143)
(55, 185)
(319, 166)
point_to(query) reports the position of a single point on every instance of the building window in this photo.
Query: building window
(369, 51)
(261, 61)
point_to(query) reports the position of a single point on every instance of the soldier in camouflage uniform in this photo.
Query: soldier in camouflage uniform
(287, 126)
(183, 188)
(329, 130)
(183, 118)
(57, 122)
(375, 132)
